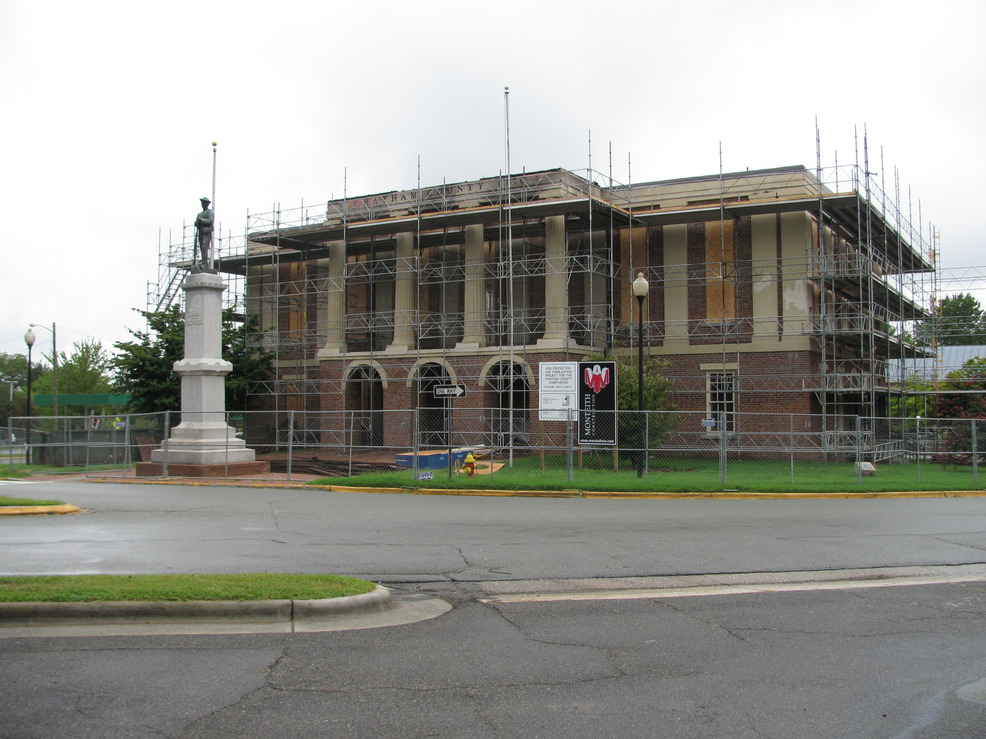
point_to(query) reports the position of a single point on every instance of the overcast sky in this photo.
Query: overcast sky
(109, 110)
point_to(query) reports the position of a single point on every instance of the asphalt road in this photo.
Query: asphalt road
(401, 538)
(904, 661)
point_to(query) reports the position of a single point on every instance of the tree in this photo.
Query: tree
(972, 376)
(13, 390)
(251, 363)
(957, 442)
(916, 399)
(85, 370)
(13, 381)
(958, 320)
(657, 388)
(144, 367)
(13, 369)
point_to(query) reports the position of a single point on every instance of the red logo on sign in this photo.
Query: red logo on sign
(597, 378)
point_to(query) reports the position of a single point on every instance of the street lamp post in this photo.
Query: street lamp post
(54, 361)
(29, 340)
(640, 290)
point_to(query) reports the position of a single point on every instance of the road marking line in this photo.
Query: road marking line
(972, 573)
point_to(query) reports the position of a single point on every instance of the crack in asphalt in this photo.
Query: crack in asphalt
(244, 696)
(618, 671)
(681, 611)
(273, 515)
(941, 538)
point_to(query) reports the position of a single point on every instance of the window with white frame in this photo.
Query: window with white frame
(721, 400)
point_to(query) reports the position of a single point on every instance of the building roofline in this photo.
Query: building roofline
(791, 169)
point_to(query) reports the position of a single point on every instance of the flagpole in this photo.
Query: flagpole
(212, 251)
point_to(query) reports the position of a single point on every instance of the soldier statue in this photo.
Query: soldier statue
(203, 235)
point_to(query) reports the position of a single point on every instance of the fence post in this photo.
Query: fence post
(415, 431)
(290, 437)
(722, 448)
(88, 440)
(352, 437)
(858, 445)
(127, 459)
(647, 442)
(917, 446)
(569, 452)
(975, 454)
(792, 450)
(164, 443)
(226, 445)
(10, 446)
(448, 410)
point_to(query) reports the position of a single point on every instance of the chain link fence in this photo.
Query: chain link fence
(733, 450)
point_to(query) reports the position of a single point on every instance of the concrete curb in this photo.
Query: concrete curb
(253, 611)
(647, 495)
(37, 510)
(377, 599)
(502, 493)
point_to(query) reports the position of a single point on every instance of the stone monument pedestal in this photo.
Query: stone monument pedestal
(203, 444)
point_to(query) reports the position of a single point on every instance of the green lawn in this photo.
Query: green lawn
(257, 586)
(26, 470)
(6, 501)
(668, 474)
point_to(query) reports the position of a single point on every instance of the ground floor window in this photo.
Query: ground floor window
(721, 400)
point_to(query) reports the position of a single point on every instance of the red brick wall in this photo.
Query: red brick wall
(754, 394)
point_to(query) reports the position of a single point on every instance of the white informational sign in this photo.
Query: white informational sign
(558, 384)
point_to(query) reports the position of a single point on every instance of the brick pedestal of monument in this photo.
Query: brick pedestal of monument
(239, 469)
(203, 444)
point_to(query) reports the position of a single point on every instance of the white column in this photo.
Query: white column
(405, 284)
(595, 291)
(796, 243)
(676, 286)
(474, 299)
(332, 318)
(555, 284)
(764, 258)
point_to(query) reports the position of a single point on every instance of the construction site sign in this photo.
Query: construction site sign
(558, 385)
(597, 403)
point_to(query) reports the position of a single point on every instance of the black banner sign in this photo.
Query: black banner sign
(597, 403)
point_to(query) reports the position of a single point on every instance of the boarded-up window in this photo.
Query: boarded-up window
(720, 271)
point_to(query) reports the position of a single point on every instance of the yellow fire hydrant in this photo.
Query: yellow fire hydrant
(469, 465)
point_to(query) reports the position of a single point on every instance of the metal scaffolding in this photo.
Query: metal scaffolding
(325, 282)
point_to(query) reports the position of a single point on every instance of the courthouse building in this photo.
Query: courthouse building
(783, 290)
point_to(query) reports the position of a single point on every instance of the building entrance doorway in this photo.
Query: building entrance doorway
(433, 421)
(364, 399)
(510, 400)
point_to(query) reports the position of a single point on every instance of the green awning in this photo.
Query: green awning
(83, 399)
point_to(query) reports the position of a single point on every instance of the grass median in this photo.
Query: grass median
(19, 502)
(238, 587)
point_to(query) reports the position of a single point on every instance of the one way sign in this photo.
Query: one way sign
(449, 391)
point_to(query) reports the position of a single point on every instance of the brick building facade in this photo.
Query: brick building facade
(773, 291)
